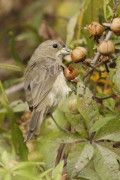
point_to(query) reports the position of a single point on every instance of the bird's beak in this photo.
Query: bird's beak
(64, 51)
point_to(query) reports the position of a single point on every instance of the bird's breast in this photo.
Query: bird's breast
(59, 90)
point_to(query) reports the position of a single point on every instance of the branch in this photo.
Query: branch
(96, 59)
(14, 89)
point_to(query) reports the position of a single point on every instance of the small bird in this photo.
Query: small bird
(44, 82)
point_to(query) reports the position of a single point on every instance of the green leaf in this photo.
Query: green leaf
(76, 121)
(26, 164)
(10, 67)
(88, 174)
(116, 76)
(110, 104)
(5, 159)
(4, 96)
(87, 106)
(109, 130)
(14, 53)
(57, 172)
(17, 137)
(108, 12)
(63, 137)
(79, 158)
(44, 173)
(18, 141)
(105, 164)
(25, 174)
(113, 136)
(100, 123)
(71, 28)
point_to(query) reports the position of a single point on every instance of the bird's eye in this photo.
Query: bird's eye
(55, 45)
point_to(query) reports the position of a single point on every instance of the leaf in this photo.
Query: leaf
(88, 174)
(10, 67)
(76, 122)
(26, 164)
(108, 12)
(14, 53)
(5, 159)
(116, 79)
(49, 153)
(16, 134)
(109, 130)
(25, 174)
(87, 106)
(71, 28)
(113, 136)
(60, 137)
(109, 103)
(79, 158)
(44, 173)
(100, 123)
(4, 96)
(57, 172)
(105, 164)
(18, 141)
(17, 106)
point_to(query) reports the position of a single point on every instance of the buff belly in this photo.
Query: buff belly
(59, 91)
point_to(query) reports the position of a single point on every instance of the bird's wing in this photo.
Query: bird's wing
(39, 79)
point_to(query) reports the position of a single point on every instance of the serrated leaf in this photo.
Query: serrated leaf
(109, 130)
(105, 164)
(87, 107)
(79, 158)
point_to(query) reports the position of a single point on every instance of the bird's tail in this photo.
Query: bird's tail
(35, 123)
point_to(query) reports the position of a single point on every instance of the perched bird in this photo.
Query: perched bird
(44, 82)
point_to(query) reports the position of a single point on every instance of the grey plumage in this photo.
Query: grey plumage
(41, 80)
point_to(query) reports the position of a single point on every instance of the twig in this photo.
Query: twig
(104, 98)
(116, 4)
(15, 88)
(96, 59)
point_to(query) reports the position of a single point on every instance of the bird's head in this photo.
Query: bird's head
(53, 48)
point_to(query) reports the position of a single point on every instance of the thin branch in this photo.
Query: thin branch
(116, 4)
(104, 98)
(14, 89)
(96, 58)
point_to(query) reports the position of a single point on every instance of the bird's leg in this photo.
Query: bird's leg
(59, 127)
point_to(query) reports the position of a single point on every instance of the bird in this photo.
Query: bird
(44, 82)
